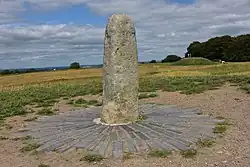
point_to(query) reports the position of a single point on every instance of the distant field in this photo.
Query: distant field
(45, 88)
(12, 81)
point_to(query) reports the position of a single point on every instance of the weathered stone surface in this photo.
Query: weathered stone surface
(120, 75)
(165, 127)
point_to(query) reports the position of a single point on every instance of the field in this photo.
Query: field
(25, 97)
(17, 91)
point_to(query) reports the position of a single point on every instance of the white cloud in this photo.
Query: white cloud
(162, 28)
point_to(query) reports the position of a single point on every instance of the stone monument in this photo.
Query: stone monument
(114, 128)
(120, 72)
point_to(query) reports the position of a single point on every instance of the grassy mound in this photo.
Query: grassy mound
(193, 61)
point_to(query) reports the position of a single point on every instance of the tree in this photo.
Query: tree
(171, 58)
(152, 61)
(195, 49)
(75, 65)
(5, 72)
(226, 48)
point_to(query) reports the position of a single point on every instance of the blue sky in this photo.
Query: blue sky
(77, 14)
(39, 33)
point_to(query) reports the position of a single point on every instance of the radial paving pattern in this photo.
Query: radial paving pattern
(164, 127)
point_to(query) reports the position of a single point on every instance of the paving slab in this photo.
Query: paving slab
(164, 127)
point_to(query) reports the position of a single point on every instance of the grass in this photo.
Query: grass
(45, 103)
(92, 158)
(31, 119)
(219, 117)
(205, 142)
(189, 85)
(45, 88)
(45, 111)
(246, 87)
(160, 153)
(141, 118)
(147, 95)
(127, 155)
(193, 61)
(84, 103)
(25, 138)
(221, 127)
(191, 153)
(29, 147)
(43, 165)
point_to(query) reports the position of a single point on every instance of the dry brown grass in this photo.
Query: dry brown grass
(46, 77)
(22, 80)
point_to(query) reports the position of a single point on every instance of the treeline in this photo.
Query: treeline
(74, 65)
(226, 48)
(168, 59)
(16, 71)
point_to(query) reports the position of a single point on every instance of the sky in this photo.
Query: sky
(44, 33)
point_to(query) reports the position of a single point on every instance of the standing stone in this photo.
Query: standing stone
(120, 87)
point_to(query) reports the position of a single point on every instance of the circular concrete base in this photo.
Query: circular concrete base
(164, 127)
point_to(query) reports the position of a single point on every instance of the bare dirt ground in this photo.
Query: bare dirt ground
(232, 150)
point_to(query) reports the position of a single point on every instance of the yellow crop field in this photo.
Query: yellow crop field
(156, 70)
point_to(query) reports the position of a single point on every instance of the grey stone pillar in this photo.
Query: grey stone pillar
(120, 68)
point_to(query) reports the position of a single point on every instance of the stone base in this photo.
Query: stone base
(163, 127)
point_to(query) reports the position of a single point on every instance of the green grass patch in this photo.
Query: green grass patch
(186, 85)
(13, 102)
(193, 61)
(25, 138)
(190, 153)
(43, 165)
(220, 117)
(31, 119)
(222, 127)
(127, 155)
(92, 158)
(46, 103)
(160, 153)
(46, 111)
(189, 85)
(225, 69)
(246, 88)
(147, 95)
(205, 142)
(29, 147)
(141, 118)
(153, 73)
(84, 103)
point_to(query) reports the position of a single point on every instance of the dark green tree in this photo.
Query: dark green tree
(227, 48)
(171, 58)
(75, 65)
(152, 61)
(5, 72)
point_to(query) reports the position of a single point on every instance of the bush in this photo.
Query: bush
(152, 61)
(75, 65)
(171, 58)
(92, 158)
(193, 61)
